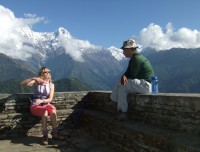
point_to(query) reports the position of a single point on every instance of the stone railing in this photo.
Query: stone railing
(160, 123)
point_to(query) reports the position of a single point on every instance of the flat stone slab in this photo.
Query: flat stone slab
(80, 141)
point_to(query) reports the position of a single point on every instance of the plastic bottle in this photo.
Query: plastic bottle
(154, 85)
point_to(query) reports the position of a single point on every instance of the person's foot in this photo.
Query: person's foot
(122, 116)
(45, 140)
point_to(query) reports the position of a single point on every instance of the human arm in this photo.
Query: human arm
(124, 77)
(134, 69)
(32, 81)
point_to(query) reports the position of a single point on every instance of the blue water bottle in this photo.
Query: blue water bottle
(154, 85)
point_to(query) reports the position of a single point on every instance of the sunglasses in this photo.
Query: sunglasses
(47, 72)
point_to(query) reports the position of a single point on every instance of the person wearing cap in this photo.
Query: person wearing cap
(136, 79)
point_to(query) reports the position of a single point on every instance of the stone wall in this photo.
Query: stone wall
(179, 112)
(174, 111)
(15, 118)
(157, 123)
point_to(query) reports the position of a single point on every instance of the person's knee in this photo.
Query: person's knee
(135, 82)
(53, 111)
(45, 113)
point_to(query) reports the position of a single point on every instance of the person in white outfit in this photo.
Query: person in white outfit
(136, 79)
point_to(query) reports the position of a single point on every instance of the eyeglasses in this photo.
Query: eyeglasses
(47, 72)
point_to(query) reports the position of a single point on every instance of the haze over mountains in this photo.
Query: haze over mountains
(97, 67)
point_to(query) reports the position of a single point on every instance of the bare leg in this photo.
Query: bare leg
(45, 131)
(53, 118)
(44, 121)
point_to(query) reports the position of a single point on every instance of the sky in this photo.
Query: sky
(152, 23)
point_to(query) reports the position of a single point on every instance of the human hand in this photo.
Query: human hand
(40, 81)
(124, 80)
(38, 101)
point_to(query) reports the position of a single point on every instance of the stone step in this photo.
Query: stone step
(14, 124)
(11, 107)
(138, 136)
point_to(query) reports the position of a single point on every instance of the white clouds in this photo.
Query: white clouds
(12, 41)
(74, 47)
(154, 36)
(32, 19)
(16, 32)
(71, 47)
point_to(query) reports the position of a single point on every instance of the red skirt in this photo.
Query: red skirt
(38, 110)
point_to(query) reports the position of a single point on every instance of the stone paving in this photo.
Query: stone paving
(80, 141)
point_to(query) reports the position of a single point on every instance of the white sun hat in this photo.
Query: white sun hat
(129, 44)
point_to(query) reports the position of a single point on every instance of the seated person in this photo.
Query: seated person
(136, 79)
(41, 103)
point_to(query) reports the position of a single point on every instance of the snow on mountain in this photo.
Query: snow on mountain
(117, 53)
(62, 31)
(51, 41)
(68, 57)
(43, 45)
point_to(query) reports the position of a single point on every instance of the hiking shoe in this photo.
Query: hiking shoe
(45, 140)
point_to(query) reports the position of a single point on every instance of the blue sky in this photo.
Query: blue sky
(109, 22)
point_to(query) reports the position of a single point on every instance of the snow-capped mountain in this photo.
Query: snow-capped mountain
(117, 53)
(70, 57)
(98, 67)
(55, 43)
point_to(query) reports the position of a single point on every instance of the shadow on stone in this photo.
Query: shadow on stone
(72, 121)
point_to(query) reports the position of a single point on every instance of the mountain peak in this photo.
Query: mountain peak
(62, 31)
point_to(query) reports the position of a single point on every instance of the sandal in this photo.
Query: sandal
(45, 140)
